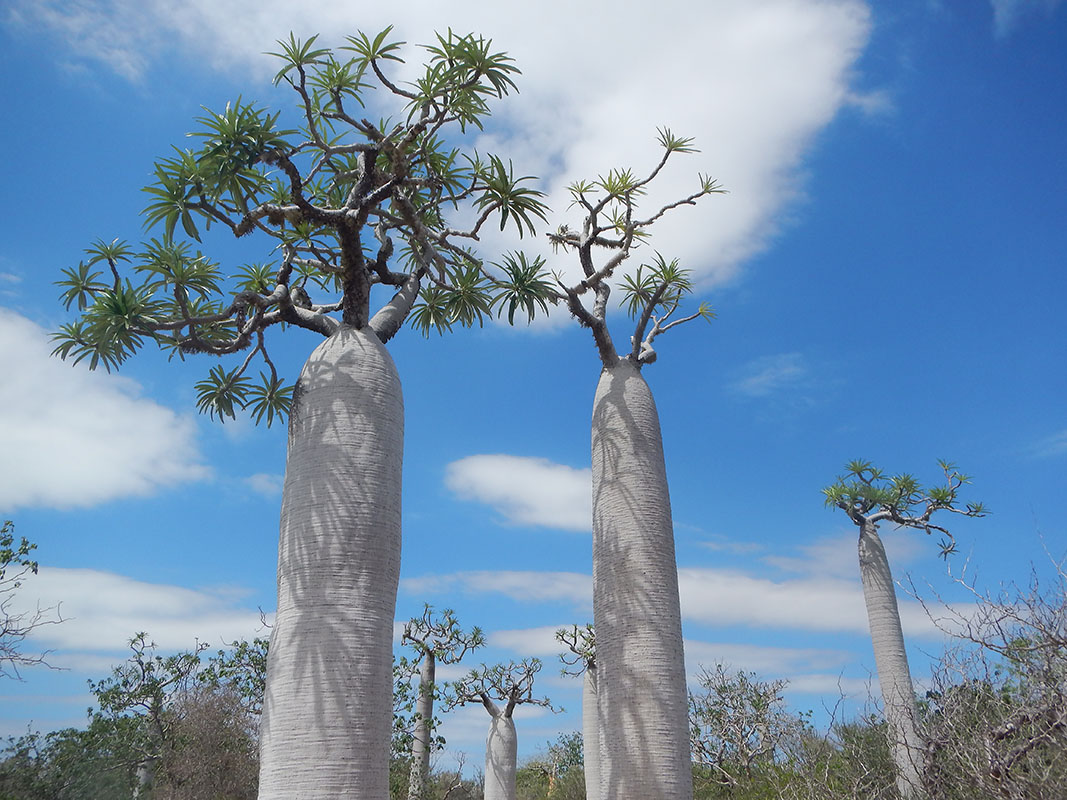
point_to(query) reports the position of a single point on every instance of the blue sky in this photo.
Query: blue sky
(888, 270)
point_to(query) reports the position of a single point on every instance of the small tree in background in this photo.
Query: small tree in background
(740, 727)
(344, 208)
(15, 565)
(435, 639)
(500, 689)
(580, 659)
(869, 497)
(996, 713)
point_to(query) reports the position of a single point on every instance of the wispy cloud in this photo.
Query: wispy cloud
(521, 586)
(1050, 446)
(81, 437)
(722, 597)
(1009, 14)
(265, 484)
(769, 375)
(525, 491)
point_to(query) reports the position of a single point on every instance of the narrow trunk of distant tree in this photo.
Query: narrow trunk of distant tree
(420, 744)
(891, 661)
(643, 704)
(327, 713)
(143, 778)
(501, 746)
(590, 735)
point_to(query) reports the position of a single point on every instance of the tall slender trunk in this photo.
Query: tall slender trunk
(327, 713)
(501, 746)
(891, 661)
(643, 705)
(420, 744)
(590, 733)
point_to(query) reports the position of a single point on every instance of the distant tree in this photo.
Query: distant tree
(643, 729)
(555, 773)
(70, 764)
(348, 207)
(996, 712)
(242, 668)
(739, 726)
(500, 689)
(580, 659)
(435, 639)
(15, 565)
(146, 688)
(869, 497)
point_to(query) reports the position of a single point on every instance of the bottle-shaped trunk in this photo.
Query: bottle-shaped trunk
(501, 747)
(327, 713)
(420, 743)
(590, 733)
(643, 711)
(891, 661)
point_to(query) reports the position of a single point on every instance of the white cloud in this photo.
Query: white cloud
(526, 491)
(524, 587)
(102, 610)
(540, 641)
(1009, 14)
(77, 438)
(825, 603)
(753, 82)
(769, 374)
(265, 484)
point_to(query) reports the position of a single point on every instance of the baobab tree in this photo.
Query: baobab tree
(435, 639)
(580, 659)
(500, 689)
(643, 701)
(869, 497)
(347, 208)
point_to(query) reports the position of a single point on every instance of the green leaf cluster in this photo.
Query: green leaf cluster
(345, 205)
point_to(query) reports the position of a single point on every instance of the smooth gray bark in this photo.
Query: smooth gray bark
(327, 713)
(643, 702)
(591, 733)
(891, 661)
(420, 743)
(501, 747)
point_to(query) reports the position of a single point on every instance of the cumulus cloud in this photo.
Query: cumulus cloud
(77, 438)
(102, 610)
(525, 491)
(753, 82)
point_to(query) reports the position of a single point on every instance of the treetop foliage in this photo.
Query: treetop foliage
(868, 495)
(345, 204)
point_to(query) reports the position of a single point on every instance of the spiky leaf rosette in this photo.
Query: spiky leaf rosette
(344, 204)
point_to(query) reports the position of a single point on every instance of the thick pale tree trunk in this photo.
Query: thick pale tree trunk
(590, 734)
(327, 714)
(420, 744)
(643, 705)
(891, 660)
(501, 746)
